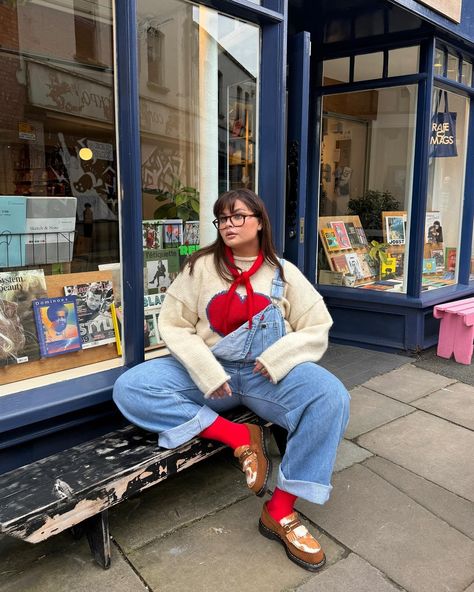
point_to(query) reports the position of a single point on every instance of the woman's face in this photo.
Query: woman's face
(243, 240)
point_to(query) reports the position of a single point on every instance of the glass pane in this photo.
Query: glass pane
(336, 71)
(445, 190)
(439, 62)
(366, 184)
(368, 66)
(403, 61)
(58, 186)
(198, 131)
(466, 73)
(453, 67)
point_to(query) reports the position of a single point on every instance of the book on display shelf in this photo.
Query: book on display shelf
(18, 336)
(341, 234)
(94, 302)
(354, 265)
(57, 325)
(339, 263)
(353, 235)
(330, 239)
(395, 229)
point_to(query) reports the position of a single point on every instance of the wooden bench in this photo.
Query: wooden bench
(456, 333)
(75, 488)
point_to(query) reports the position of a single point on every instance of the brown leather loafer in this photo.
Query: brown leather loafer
(300, 546)
(254, 459)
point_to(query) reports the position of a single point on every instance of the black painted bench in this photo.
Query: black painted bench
(75, 488)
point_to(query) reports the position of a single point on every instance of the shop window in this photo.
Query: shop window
(439, 62)
(336, 71)
(466, 77)
(368, 66)
(368, 141)
(197, 140)
(403, 61)
(448, 145)
(155, 59)
(453, 67)
(59, 215)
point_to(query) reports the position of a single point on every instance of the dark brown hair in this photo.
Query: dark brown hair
(217, 248)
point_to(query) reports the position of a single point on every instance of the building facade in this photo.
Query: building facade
(122, 122)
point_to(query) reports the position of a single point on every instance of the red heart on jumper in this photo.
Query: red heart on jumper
(238, 311)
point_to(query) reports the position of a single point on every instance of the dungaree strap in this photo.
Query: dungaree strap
(278, 284)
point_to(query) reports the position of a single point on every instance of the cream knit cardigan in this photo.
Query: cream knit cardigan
(185, 329)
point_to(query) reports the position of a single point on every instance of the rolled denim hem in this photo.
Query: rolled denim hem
(312, 492)
(186, 431)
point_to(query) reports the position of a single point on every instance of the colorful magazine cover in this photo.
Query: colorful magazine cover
(57, 325)
(191, 233)
(395, 229)
(433, 228)
(429, 265)
(152, 234)
(330, 239)
(161, 268)
(361, 234)
(341, 234)
(172, 233)
(18, 338)
(94, 313)
(353, 235)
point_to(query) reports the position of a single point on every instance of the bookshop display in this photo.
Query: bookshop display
(47, 312)
(353, 262)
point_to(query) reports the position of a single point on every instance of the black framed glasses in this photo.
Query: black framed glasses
(235, 220)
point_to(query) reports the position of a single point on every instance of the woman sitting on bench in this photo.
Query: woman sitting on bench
(246, 328)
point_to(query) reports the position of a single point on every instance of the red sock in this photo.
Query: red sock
(227, 432)
(281, 504)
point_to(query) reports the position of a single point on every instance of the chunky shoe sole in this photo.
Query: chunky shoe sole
(265, 436)
(270, 534)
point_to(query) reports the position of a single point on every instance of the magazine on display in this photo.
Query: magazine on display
(340, 263)
(191, 233)
(341, 234)
(354, 265)
(395, 229)
(18, 337)
(172, 233)
(152, 231)
(94, 312)
(161, 268)
(330, 239)
(57, 325)
(353, 235)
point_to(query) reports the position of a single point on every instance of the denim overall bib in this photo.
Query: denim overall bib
(310, 402)
(268, 326)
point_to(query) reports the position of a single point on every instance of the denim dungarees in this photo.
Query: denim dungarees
(268, 326)
(310, 402)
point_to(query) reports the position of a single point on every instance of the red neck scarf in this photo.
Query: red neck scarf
(241, 278)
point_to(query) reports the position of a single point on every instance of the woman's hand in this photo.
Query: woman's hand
(259, 367)
(223, 391)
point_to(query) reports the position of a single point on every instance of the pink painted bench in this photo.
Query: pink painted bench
(456, 333)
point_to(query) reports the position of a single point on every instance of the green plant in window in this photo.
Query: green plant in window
(178, 202)
(369, 208)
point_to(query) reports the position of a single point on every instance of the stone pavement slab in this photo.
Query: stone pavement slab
(352, 574)
(225, 552)
(188, 496)
(448, 506)
(349, 454)
(72, 569)
(370, 410)
(430, 361)
(470, 589)
(407, 383)
(429, 446)
(393, 533)
(454, 403)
